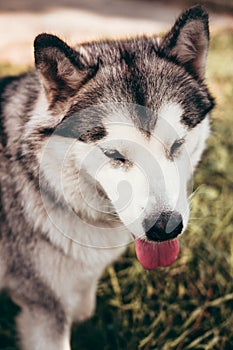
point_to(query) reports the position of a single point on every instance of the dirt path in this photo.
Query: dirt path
(78, 20)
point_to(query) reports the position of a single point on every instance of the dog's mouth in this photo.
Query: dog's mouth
(156, 254)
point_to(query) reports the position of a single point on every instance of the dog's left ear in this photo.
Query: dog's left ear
(62, 69)
(188, 41)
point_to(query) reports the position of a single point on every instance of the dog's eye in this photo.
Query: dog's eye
(115, 155)
(175, 147)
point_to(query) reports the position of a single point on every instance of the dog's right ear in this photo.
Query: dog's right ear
(63, 70)
(188, 41)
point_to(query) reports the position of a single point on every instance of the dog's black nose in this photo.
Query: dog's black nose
(167, 226)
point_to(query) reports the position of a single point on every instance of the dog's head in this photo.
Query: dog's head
(131, 119)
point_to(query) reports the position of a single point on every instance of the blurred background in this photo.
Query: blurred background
(80, 20)
(190, 304)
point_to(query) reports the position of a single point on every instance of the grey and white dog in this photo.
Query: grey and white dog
(97, 146)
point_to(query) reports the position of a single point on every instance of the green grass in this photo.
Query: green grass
(189, 305)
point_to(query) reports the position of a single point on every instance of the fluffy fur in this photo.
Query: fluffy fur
(97, 142)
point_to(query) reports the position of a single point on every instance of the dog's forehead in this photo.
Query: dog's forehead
(136, 84)
(167, 123)
(114, 51)
(147, 84)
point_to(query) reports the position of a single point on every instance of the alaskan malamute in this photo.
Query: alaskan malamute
(98, 144)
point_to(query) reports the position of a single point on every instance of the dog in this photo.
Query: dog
(98, 145)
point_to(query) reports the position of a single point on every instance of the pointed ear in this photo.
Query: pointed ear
(63, 70)
(188, 41)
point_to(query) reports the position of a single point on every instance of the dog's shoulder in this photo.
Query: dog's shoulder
(4, 85)
(18, 94)
(18, 85)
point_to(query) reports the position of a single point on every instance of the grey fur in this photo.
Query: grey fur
(134, 72)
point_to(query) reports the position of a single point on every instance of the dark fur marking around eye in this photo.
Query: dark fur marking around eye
(47, 131)
(191, 119)
(95, 134)
(86, 130)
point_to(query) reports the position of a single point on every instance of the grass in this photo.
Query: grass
(189, 305)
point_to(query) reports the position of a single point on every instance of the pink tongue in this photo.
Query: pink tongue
(155, 254)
